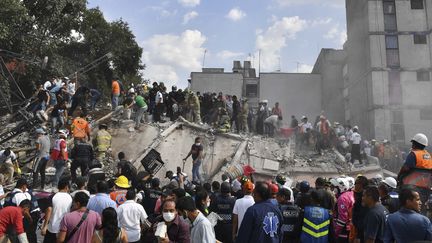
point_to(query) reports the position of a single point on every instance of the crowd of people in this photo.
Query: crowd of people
(132, 206)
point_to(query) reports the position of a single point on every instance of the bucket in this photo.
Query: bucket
(234, 171)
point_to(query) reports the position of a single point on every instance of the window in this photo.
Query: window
(251, 90)
(397, 117)
(395, 88)
(397, 132)
(391, 42)
(390, 22)
(389, 8)
(426, 115)
(416, 4)
(392, 58)
(423, 76)
(420, 39)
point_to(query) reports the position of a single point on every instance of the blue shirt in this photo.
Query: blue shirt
(261, 223)
(99, 202)
(407, 225)
(410, 160)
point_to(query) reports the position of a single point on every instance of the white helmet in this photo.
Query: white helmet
(351, 182)
(390, 181)
(63, 133)
(131, 91)
(343, 184)
(356, 127)
(421, 139)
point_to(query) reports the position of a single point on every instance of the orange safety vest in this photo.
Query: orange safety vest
(80, 128)
(423, 159)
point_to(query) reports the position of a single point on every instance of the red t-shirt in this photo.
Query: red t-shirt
(11, 216)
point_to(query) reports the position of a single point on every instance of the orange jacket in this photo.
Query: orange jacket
(80, 128)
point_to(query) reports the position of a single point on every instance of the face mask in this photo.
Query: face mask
(198, 144)
(168, 217)
(208, 203)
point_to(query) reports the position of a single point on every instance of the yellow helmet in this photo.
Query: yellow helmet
(122, 182)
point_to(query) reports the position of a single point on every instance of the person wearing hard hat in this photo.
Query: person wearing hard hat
(389, 198)
(418, 157)
(119, 195)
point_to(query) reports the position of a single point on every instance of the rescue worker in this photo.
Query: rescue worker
(355, 140)
(82, 156)
(418, 158)
(103, 139)
(235, 113)
(388, 197)
(223, 205)
(244, 115)
(115, 93)
(59, 155)
(344, 204)
(324, 129)
(194, 107)
(316, 222)
(223, 124)
(119, 194)
(291, 224)
(304, 132)
(80, 128)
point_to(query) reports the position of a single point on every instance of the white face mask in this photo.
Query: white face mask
(208, 203)
(198, 144)
(168, 217)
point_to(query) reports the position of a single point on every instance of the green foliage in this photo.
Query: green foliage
(39, 28)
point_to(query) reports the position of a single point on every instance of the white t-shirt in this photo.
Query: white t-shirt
(159, 97)
(61, 204)
(47, 84)
(355, 138)
(20, 196)
(130, 216)
(240, 207)
(71, 88)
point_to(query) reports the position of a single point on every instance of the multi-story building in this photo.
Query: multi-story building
(387, 82)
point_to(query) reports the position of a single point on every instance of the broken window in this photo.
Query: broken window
(389, 7)
(391, 42)
(397, 132)
(423, 76)
(417, 4)
(420, 39)
(251, 90)
(392, 58)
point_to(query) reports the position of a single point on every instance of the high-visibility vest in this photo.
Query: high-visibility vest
(79, 128)
(423, 159)
(103, 140)
(316, 224)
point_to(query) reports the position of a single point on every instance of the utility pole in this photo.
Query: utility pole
(259, 63)
(205, 52)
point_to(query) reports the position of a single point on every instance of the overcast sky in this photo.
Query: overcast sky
(175, 33)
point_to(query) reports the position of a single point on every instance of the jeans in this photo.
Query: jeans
(59, 165)
(39, 168)
(138, 116)
(55, 120)
(93, 102)
(114, 101)
(53, 100)
(195, 171)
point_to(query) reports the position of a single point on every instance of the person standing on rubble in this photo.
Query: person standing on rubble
(80, 99)
(355, 145)
(95, 96)
(223, 122)
(276, 110)
(59, 155)
(235, 113)
(43, 145)
(115, 93)
(304, 131)
(244, 115)
(81, 155)
(80, 128)
(158, 105)
(141, 109)
(324, 127)
(7, 161)
(195, 107)
(58, 116)
(42, 99)
(197, 156)
(103, 139)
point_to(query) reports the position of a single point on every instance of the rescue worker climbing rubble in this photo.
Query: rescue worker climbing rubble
(194, 107)
(80, 128)
(103, 141)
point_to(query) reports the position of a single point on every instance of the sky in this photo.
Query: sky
(182, 36)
